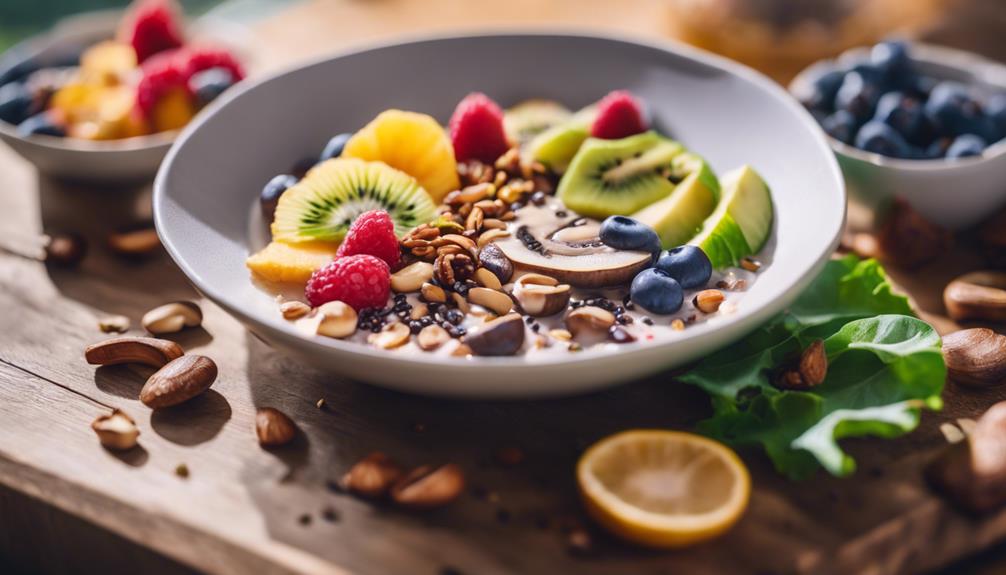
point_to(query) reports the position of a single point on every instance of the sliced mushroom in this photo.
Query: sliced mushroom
(540, 295)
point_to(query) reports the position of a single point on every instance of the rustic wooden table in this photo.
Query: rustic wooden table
(69, 506)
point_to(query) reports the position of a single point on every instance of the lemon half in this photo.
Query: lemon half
(663, 489)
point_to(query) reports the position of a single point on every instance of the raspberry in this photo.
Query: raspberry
(154, 29)
(361, 281)
(372, 233)
(161, 73)
(477, 129)
(619, 114)
(203, 58)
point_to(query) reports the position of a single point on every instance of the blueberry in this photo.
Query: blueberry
(623, 233)
(841, 125)
(879, 138)
(40, 124)
(17, 71)
(824, 85)
(15, 102)
(333, 149)
(271, 193)
(891, 57)
(938, 148)
(657, 292)
(965, 146)
(903, 113)
(210, 83)
(952, 109)
(871, 73)
(687, 264)
(857, 96)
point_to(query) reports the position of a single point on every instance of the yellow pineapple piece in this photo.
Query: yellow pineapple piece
(108, 62)
(413, 143)
(280, 262)
(173, 110)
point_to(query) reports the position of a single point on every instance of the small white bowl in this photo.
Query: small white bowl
(955, 194)
(125, 161)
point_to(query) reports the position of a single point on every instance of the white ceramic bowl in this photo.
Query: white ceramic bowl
(953, 193)
(209, 183)
(125, 161)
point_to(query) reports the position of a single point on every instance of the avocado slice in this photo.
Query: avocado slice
(556, 146)
(679, 216)
(742, 221)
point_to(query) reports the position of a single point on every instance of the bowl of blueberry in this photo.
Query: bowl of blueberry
(916, 121)
(101, 96)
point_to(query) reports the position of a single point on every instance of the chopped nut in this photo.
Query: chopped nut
(677, 325)
(321, 403)
(391, 336)
(433, 293)
(493, 224)
(589, 320)
(486, 278)
(460, 302)
(172, 317)
(336, 319)
(411, 277)
(560, 334)
(495, 301)
(372, 476)
(116, 431)
(66, 250)
(114, 324)
(453, 267)
(540, 295)
(419, 311)
(182, 470)
(750, 264)
(294, 309)
(474, 220)
(431, 337)
(273, 427)
(428, 487)
(708, 301)
(134, 241)
(975, 357)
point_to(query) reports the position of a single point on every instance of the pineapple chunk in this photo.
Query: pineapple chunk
(279, 262)
(413, 143)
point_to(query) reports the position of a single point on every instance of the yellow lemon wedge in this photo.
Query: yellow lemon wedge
(663, 489)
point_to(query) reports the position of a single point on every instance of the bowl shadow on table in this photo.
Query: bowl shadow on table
(106, 281)
(534, 497)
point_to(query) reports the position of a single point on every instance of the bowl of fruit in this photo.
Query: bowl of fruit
(920, 122)
(101, 96)
(511, 234)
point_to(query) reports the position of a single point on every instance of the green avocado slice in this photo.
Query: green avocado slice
(742, 221)
(679, 216)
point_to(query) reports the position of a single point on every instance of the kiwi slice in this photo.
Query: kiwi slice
(529, 118)
(557, 145)
(324, 204)
(619, 177)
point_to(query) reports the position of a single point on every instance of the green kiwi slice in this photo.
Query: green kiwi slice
(324, 204)
(619, 177)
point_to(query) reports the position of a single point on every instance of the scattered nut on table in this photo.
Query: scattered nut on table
(975, 357)
(978, 296)
(114, 324)
(116, 431)
(428, 487)
(373, 476)
(66, 250)
(179, 381)
(972, 473)
(143, 350)
(134, 241)
(273, 427)
(172, 317)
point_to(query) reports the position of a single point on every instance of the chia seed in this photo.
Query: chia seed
(647, 321)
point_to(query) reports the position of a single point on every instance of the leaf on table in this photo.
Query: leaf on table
(882, 369)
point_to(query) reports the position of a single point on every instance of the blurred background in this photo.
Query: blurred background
(777, 36)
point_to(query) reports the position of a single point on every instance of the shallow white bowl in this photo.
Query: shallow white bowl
(953, 193)
(209, 183)
(125, 161)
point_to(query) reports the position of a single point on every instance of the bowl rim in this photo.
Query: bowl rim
(790, 287)
(978, 66)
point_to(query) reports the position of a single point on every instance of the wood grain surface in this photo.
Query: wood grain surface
(67, 505)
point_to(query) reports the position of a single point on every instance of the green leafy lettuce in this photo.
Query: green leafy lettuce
(883, 366)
